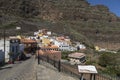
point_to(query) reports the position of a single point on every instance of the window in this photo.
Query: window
(82, 59)
(12, 49)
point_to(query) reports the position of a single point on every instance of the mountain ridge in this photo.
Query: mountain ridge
(76, 18)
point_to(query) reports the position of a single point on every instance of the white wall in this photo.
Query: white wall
(7, 47)
(21, 46)
(63, 46)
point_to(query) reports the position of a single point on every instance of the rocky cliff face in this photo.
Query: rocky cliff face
(57, 10)
(76, 18)
(79, 10)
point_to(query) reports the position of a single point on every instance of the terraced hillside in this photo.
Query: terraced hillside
(76, 18)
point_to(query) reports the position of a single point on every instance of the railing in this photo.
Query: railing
(73, 71)
(55, 63)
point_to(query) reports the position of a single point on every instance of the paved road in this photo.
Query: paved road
(24, 70)
(45, 71)
(30, 70)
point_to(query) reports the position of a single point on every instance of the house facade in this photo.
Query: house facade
(14, 50)
(14, 46)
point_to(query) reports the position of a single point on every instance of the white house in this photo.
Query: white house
(63, 46)
(73, 48)
(49, 33)
(6, 47)
(80, 46)
(36, 33)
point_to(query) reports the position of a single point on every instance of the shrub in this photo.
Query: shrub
(111, 62)
(107, 59)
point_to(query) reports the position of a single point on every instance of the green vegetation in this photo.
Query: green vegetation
(90, 62)
(9, 25)
(10, 53)
(106, 62)
(66, 53)
(111, 63)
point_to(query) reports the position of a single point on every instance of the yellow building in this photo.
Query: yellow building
(97, 48)
(45, 41)
(41, 34)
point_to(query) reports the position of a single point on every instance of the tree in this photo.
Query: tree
(108, 59)
(103, 59)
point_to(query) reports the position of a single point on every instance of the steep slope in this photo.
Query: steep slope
(76, 18)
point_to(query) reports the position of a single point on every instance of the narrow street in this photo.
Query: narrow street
(23, 70)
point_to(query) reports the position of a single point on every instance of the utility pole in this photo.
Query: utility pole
(4, 35)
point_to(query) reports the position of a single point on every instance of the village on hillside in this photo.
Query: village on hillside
(21, 47)
(59, 39)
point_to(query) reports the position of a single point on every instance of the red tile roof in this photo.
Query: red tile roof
(60, 38)
(28, 41)
(76, 55)
(51, 54)
(50, 47)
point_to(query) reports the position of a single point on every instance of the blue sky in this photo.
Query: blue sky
(113, 5)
